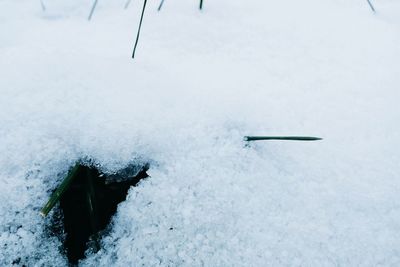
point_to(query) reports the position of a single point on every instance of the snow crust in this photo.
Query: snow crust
(199, 83)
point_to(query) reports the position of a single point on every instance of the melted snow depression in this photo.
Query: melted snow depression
(201, 80)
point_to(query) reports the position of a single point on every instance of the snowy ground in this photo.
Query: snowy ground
(200, 82)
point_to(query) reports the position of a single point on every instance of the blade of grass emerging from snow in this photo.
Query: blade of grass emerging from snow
(92, 10)
(43, 6)
(160, 6)
(93, 209)
(127, 4)
(371, 6)
(59, 191)
(140, 26)
(291, 138)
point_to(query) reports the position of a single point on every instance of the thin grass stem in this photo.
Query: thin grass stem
(160, 6)
(127, 4)
(92, 207)
(371, 6)
(92, 10)
(291, 138)
(42, 5)
(140, 26)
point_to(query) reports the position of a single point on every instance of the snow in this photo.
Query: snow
(199, 83)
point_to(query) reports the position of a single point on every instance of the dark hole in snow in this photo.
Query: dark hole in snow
(89, 203)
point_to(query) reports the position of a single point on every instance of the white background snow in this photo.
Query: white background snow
(200, 82)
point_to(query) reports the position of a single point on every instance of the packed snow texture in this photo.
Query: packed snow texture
(201, 80)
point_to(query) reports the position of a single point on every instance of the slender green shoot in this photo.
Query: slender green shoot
(42, 5)
(92, 208)
(201, 4)
(127, 4)
(92, 10)
(140, 26)
(371, 6)
(291, 138)
(55, 197)
(160, 6)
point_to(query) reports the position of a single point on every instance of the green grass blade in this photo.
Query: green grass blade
(371, 6)
(127, 4)
(92, 10)
(59, 191)
(160, 6)
(291, 138)
(140, 27)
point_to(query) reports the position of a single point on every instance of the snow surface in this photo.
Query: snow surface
(199, 83)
